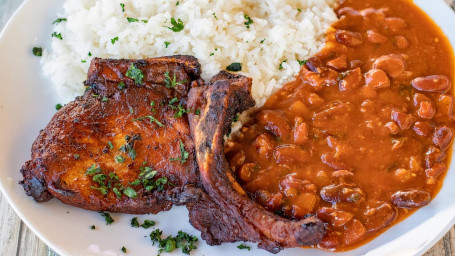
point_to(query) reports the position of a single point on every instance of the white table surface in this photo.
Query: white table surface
(17, 239)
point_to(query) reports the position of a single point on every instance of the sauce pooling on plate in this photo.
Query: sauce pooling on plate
(362, 137)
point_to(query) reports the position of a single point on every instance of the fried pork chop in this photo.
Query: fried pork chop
(226, 213)
(125, 145)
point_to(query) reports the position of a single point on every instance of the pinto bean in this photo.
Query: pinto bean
(379, 215)
(375, 37)
(435, 83)
(348, 18)
(335, 217)
(339, 64)
(329, 241)
(392, 64)
(245, 171)
(377, 78)
(291, 154)
(425, 106)
(292, 186)
(434, 155)
(372, 16)
(433, 172)
(400, 42)
(412, 198)
(337, 108)
(264, 144)
(301, 134)
(274, 123)
(422, 128)
(272, 202)
(394, 25)
(354, 232)
(442, 137)
(342, 193)
(393, 128)
(352, 80)
(333, 162)
(348, 38)
(404, 120)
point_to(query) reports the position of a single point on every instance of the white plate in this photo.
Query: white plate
(27, 104)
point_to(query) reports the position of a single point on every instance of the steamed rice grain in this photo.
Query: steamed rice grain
(283, 32)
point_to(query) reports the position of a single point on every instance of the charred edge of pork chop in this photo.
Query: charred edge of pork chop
(226, 213)
(86, 111)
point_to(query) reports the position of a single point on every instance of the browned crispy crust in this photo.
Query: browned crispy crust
(225, 213)
(83, 129)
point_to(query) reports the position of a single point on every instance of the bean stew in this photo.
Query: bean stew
(362, 136)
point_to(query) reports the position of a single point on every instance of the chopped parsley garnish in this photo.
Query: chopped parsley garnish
(92, 227)
(122, 5)
(148, 223)
(117, 192)
(234, 67)
(121, 86)
(236, 118)
(152, 120)
(262, 41)
(181, 111)
(103, 190)
(123, 249)
(197, 112)
(37, 51)
(129, 146)
(145, 21)
(134, 222)
(248, 21)
(243, 247)
(302, 62)
(58, 106)
(57, 35)
(135, 73)
(131, 110)
(169, 244)
(76, 156)
(59, 20)
(110, 145)
(89, 54)
(131, 193)
(183, 154)
(214, 15)
(104, 99)
(92, 170)
(132, 19)
(167, 44)
(119, 159)
(299, 10)
(113, 40)
(177, 25)
(171, 83)
(281, 64)
(211, 54)
(178, 2)
(107, 217)
(83, 61)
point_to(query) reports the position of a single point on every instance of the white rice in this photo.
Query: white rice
(214, 32)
